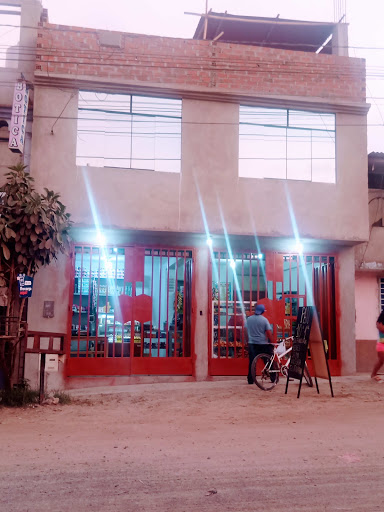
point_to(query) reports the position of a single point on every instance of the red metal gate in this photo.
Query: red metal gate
(131, 311)
(283, 283)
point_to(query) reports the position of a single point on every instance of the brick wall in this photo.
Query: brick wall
(187, 64)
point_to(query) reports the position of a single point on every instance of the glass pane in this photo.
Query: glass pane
(262, 279)
(156, 297)
(298, 154)
(143, 142)
(316, 120)
(262, 152)
(324, 171)
(148, 275)
(302, 278)
(117, 146)
(74, 345)
(323, 145)
(168, 145)
(287, 288)
(323, 157)
(279, 290)
(299, 170)
(264, 116)
(90, 139)
(164, 296)
(309, 282)
(139, 288)
(84, 293)
(104, 127)
(173, 306)
(294, 275)
(257, 282)
(294, 307)
(161, 135)
(156, 106)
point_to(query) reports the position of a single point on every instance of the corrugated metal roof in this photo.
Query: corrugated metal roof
(307, 36)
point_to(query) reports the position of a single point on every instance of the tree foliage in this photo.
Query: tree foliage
(33, 227)
(34, 230)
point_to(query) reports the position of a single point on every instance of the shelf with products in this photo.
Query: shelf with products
(102, 291)
(229, 335)
(229, 311)
(102, 274)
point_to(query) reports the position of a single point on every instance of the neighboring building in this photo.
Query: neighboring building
(19, 20)
(370, 269)
(159, 144)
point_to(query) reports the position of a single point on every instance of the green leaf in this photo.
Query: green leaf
(6, 252)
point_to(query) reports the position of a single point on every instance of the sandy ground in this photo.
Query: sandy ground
(208, 446)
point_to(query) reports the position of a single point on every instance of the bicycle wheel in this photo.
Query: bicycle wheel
(265, 372)
(307, 376)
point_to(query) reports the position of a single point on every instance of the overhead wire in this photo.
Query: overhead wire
(376, 74)
(93, 31)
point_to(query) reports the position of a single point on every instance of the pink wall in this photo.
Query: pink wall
(367, 306)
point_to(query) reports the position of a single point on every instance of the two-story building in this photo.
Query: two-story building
(203, 175)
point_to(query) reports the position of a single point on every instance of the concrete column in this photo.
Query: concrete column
(30, 17)
(340, 40)
(51, 283)
(346, 262)
(200, 270)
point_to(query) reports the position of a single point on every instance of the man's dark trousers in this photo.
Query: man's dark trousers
(253, 350)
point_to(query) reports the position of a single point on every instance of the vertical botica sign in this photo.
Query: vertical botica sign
(19, 117)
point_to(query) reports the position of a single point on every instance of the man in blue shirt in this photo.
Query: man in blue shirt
(259, 337)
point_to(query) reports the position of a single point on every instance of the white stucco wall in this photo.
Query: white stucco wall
(131, 199)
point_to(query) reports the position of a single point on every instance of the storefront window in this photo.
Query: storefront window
(237, 284)
(109, 299)
(292, 281)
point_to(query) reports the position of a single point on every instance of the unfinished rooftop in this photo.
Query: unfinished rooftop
(304, 36)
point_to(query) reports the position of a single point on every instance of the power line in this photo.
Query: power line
(242, 43)
(94, 31)
(204, 123)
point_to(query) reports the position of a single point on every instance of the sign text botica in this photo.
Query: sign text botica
(19, 117)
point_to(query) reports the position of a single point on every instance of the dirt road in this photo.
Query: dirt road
(211, 446)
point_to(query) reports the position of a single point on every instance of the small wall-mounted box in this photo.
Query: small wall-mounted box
(52, 363)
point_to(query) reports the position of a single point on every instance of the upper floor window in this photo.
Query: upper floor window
(126, 131)
(287, 144)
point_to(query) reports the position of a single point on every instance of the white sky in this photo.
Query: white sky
(167, 18)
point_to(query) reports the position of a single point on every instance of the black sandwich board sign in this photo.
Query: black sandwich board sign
(308, 335)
